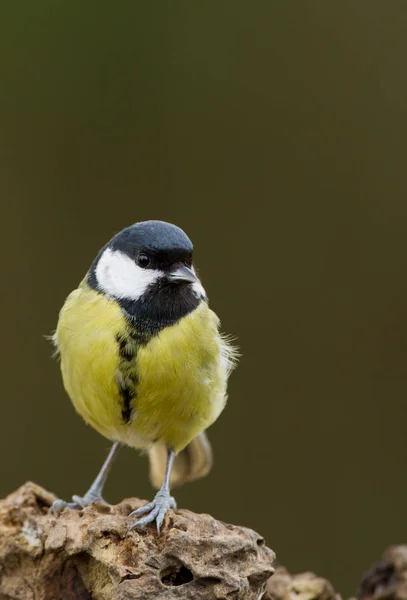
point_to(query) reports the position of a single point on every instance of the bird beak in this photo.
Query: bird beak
(184, 273)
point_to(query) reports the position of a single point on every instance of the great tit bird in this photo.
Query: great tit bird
(143, 361)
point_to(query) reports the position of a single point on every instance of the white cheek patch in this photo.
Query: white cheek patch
(119, 276)
(198, 290)
(197, 287)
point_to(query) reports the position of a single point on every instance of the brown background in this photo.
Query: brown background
(275, 134)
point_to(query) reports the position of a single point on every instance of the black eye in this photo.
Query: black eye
(143, 260)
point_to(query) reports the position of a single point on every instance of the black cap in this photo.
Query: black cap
(157, 237)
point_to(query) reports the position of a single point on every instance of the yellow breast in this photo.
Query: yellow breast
(179, 376)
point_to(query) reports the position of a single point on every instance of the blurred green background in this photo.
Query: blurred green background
(275, 134)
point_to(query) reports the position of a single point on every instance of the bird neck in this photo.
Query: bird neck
(159, 309)
(161, 306)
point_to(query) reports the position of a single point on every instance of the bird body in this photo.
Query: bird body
(142, 358)
(169, 389)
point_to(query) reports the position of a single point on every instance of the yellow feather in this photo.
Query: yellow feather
(180, 375)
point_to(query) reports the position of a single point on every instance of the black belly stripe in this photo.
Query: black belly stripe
(127, 350)
(128, 379)
(128, 395)
(140, 337)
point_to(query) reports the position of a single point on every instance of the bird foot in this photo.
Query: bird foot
(157, 509)
(79, 503)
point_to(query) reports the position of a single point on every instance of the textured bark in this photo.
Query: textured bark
(387, 578)
(92, 555)
(303, 586)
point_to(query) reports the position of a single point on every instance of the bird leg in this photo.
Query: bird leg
(94, 494)
(163, 501)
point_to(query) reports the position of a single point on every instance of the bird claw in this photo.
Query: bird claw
(154, 511)
(59, 505)
(79, 503)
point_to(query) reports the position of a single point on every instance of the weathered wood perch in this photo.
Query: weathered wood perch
(302, 586)
(385, 580)
(92, 555)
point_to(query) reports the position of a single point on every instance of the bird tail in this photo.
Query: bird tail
(193, 462)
